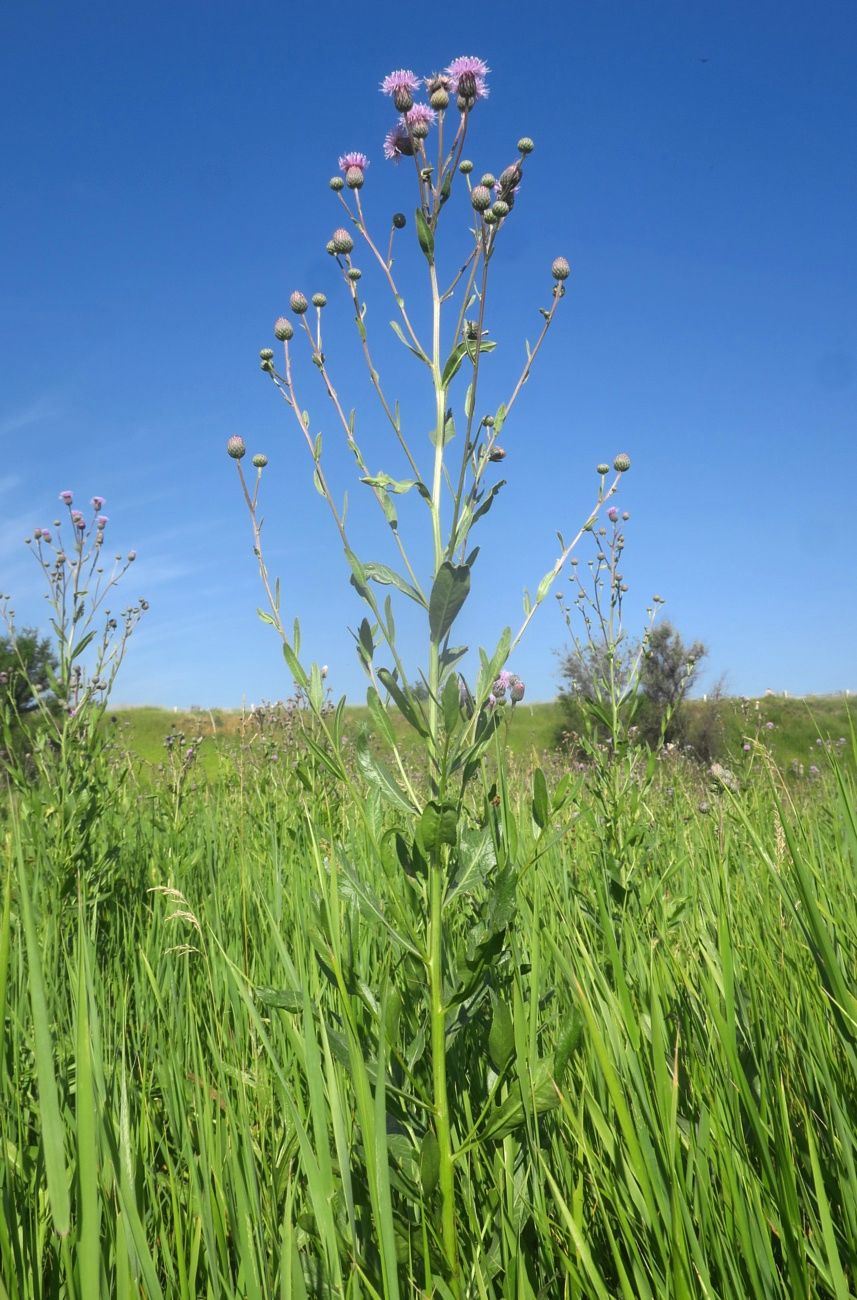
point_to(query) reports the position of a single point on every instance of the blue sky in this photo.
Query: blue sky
(165, 188)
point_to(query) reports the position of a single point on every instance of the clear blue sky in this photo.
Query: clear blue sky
(165, 174)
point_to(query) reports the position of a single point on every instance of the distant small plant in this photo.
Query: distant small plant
(60, 694)
(446, 825)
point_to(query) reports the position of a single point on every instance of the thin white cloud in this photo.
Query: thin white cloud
(43, 408)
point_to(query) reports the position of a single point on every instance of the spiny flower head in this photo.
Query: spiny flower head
(400, 86)
(420, 118)
(467, 75)
(516, 690)
(66, 497)
(260, 460)
(612, 514)
(398, 143)
(97, 503)
(353, 159)
(560, 269)
(342, 241)
(102, 521)
(622, 463)
(235, 448)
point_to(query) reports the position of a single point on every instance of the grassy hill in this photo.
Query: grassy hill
(798, 724)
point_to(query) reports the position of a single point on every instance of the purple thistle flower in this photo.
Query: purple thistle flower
(353, 159)
(516, 690)
(97, 503)
(102, 521)
(438, 81)
(467, 75)
(612, 514)
(398, 143)
(401, 79)
(80, 523)
(501, 685)
(67, 497)
(46, 536)
(420, 115)
(400, 86)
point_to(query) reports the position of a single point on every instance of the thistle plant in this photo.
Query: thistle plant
(450, 924)
(63, 725)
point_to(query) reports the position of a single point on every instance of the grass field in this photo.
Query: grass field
(216, 1066)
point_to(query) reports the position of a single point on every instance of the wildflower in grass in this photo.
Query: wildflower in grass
(746, 747)
(502, 684)
(398, 143)
(400, 86)
(467, 76)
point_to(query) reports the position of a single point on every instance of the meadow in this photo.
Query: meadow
(213, 1028)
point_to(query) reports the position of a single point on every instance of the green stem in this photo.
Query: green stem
(446, 1175)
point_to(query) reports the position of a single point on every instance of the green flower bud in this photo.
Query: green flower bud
(337, 183)
(465, 166)
(500, 209)
(266, 354)
(236, 447)
(283, 329)
(489, 180)
(354, 178)
(342, 241)
(560, 269)
(439, 99)
(622, 463)
(399, 220)
(298, 303)
(525, 144)
(260, 460)
(354, 273)
(319, 300)
(603, 468)
(331, 247)
(481, 198)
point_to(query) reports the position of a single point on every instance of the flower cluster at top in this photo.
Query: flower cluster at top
(465, 78)
(507, 684)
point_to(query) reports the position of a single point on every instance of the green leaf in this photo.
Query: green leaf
(501, 1038)
(425, 236)
(364, 637)
(448, 430)
(438, 825)
(450, 704)
(499, 419)
(380, 716)
(397, 330)
(491, 667)
(295, 667)
(457, 355)
(389, 578)
(429, 1162)
(380, 777)
(449, 592)
(541, 803)
(283, 999)
(408, 706)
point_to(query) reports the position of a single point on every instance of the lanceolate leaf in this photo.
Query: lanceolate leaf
(408, 707)
(448, 594)
(389, 578)
(380, 777)
(425, 236)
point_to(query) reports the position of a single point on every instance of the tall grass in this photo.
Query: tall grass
(201, 1094)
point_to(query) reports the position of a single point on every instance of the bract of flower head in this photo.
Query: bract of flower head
(467, 75)
(398, 143)
(420, 114)
(401, 79)
(353, 159)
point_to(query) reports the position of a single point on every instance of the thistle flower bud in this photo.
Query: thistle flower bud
(625, 515)
(403, 99)
(342, 241)
(471, 330)
(510, 177)
(481, 198)
(622, 463)
(399, 220)
(260, 460)
(516, 690)
(66, 497)
(354, 178)
(319, 300)
(465, 166)
(336, 183)
(132, 555)
(489, 180)
(496, 453)
(298, 303)
(603, 468)
(420, 129)
(500, 209)
(46, 534)
(525, 145)
(439, 99)
(560, 269)
(283, 329)
(612, 514)
(488, 421)
(236, 448)
(329, 246)
(489, 218)
(354, 273)
(266, 354)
